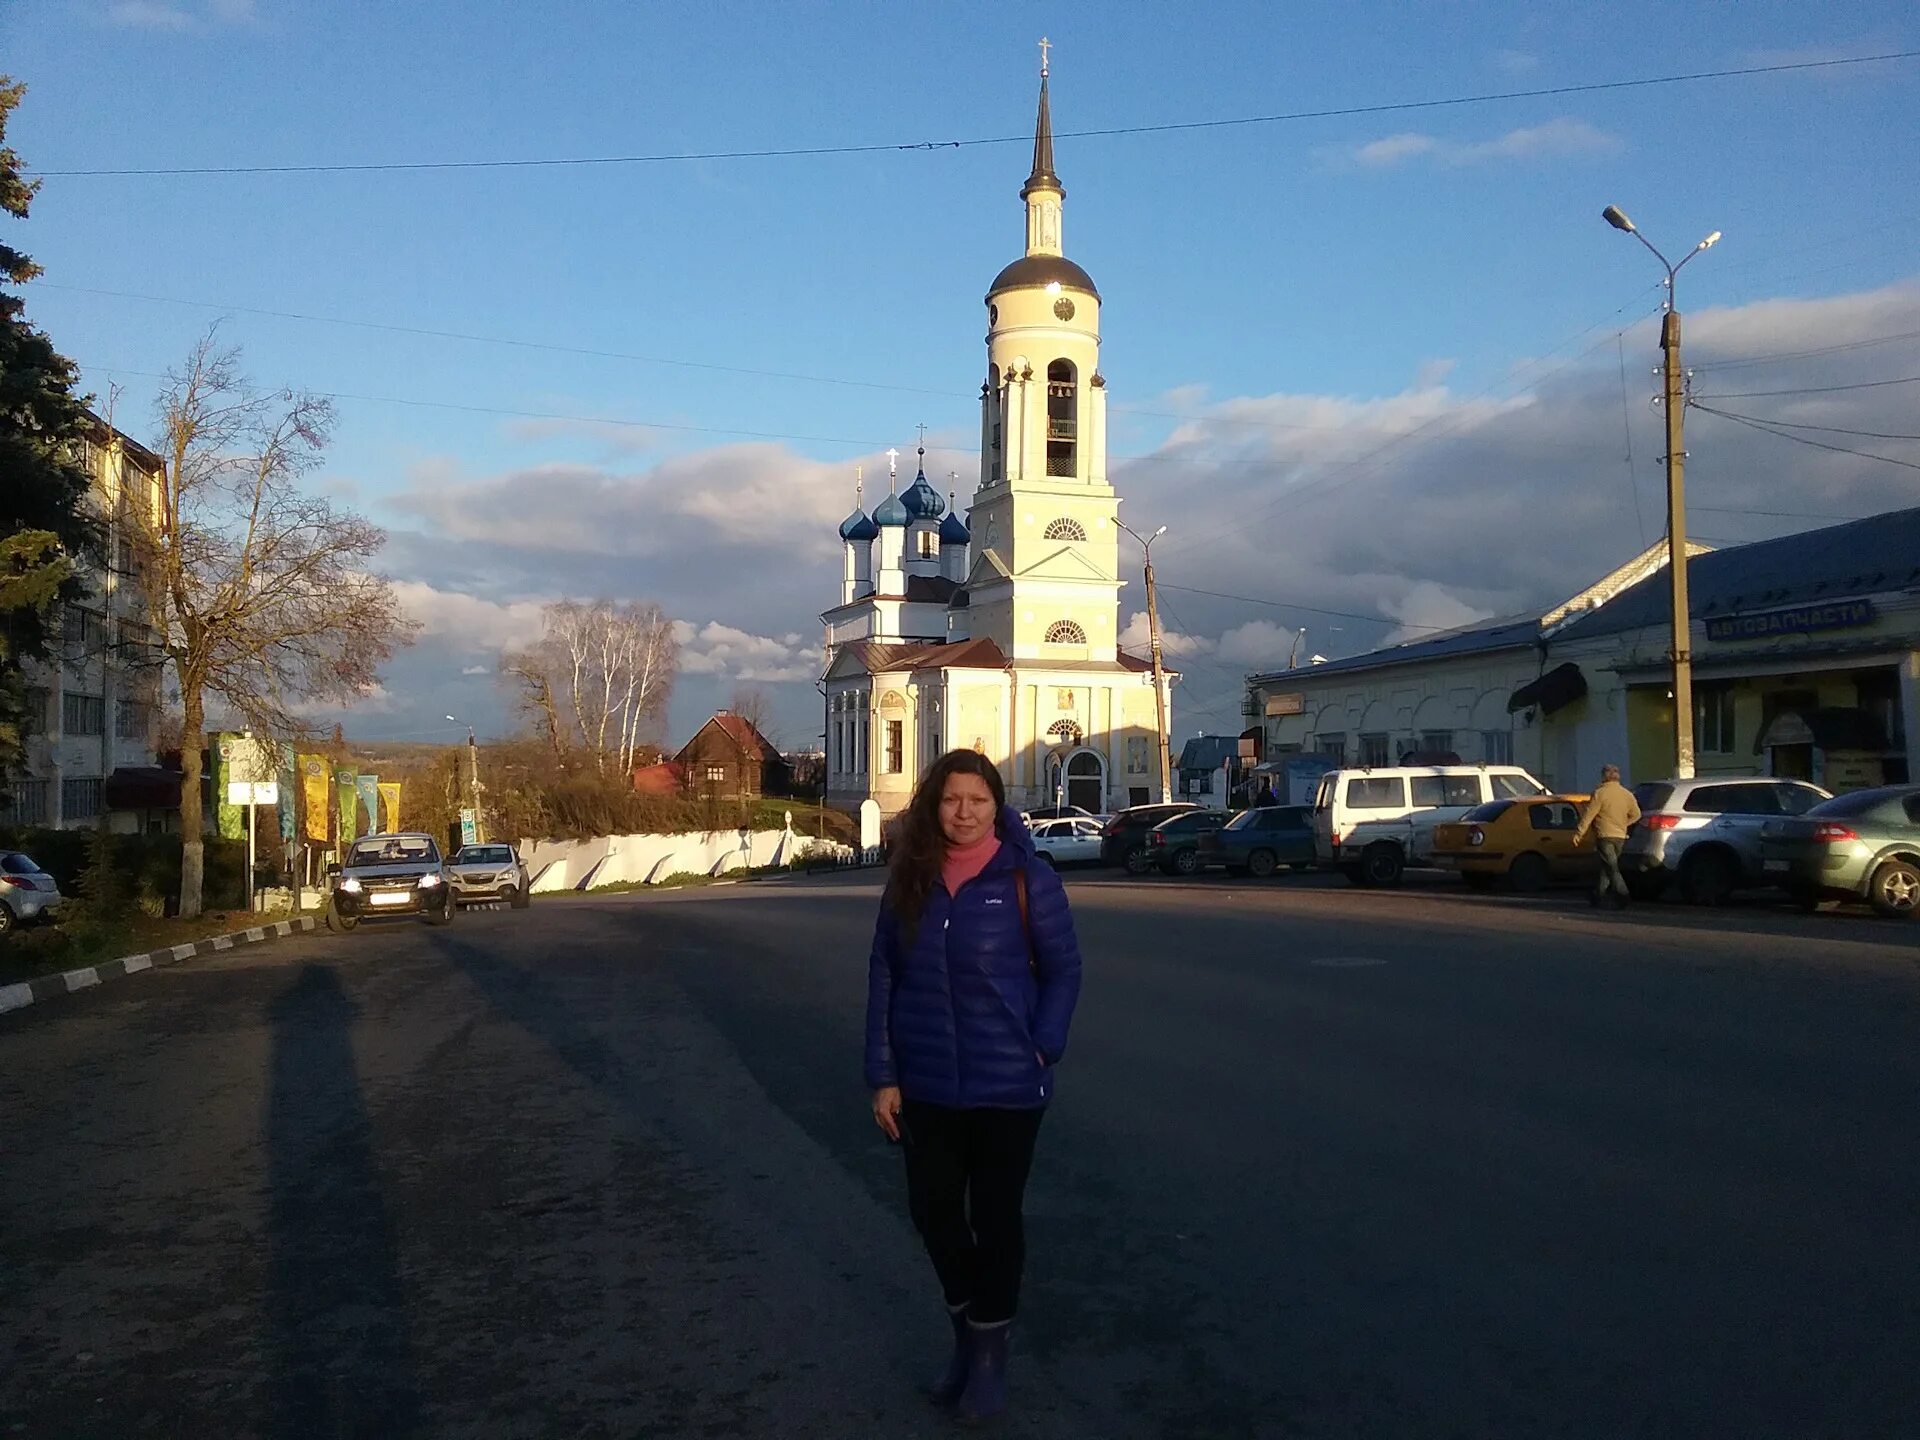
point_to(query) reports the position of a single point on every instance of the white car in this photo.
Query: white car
(1371, 824)
(1067, 842)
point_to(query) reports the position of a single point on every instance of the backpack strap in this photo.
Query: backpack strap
(1026, 915)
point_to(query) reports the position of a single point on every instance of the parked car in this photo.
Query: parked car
(1704, 834)
(1067, 842)
(389, 876)
(1371, 824)
(27, 893)
(1258, 842)
(1123, 841)
(490, 872)
(1860, 846)
(1526, 843)
(1174, 844)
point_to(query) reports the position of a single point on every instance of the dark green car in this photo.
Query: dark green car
(1860, 846)
(1258, 842)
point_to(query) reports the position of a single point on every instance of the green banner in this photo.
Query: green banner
(349, 807)
(229, 820)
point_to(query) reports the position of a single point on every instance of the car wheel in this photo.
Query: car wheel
(522, 897)
(1382, 864)
(1528, 873)
(1262, 863)
(1186, 862)
(6, 921)
(338, 923)
(1894, 890)
(445, 914)
(1137, 861)
(1709, 878)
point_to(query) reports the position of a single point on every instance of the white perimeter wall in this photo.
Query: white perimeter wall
(649, 859)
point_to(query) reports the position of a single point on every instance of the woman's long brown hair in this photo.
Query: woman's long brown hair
(919, 844)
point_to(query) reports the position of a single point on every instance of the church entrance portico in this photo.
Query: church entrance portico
(1078, 777)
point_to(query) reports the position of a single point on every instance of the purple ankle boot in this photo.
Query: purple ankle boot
(945, 1391)
(985, 1395)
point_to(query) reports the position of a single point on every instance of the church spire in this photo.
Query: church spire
(1043, 177)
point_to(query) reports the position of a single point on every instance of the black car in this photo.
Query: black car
(1174, 845)
(1124, 841)
(390, 876)
(1258, 842)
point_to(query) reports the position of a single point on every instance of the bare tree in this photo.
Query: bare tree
(598, 679)
(258, 591)
(752, 704)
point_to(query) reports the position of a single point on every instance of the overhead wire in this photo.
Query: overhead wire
(1812, 389)
(1105, 132)
(1754, 423)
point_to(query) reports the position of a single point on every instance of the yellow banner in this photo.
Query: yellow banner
(313, 793)
(390, 802)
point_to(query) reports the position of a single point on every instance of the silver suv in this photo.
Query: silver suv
(1705, 834)
(490, 872)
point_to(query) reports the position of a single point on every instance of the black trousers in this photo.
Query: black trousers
(966, 1179)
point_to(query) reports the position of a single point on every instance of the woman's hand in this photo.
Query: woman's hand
(886, 1110)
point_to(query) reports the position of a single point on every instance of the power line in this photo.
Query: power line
(1841, 430)
(1810, 390)
(809, 151)
(1753, 423)
(1773, 514)
(1746, 360)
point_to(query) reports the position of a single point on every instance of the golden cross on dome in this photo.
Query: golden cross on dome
(1045, 45)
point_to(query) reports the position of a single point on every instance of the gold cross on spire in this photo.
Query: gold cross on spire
(1045, 45)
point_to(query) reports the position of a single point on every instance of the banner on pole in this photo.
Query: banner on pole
(389, 805)
(284, 773)
(369, 788)
(349, 797)
(313, 785)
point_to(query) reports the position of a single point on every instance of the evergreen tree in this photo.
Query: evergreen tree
(47, 529)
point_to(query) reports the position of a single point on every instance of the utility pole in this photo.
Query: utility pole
(473, 784)
(1159, 669)
(1674, 397)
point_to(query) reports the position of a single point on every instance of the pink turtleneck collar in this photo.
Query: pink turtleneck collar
(962, 862)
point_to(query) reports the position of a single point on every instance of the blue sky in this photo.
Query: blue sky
(1305, 293)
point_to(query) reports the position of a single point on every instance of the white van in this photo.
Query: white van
(1371, 824)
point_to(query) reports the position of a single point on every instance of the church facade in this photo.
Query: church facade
(998, 633)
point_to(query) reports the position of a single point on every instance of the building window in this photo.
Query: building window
(1437, 740)
(1332, 745)
(79, 799)
(929, 545)
(83, 714)
(716, 774)
(33, 719)
(1062, 414)
(1373, 751)
(1136, 795)
(80, 628)
(1713, 719)
(1496, 747)
(896, 746)
(1065, 530)
(29, 803)
(131, 720)
(1065, 632)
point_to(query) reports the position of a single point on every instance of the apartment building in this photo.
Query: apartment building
(92, 710)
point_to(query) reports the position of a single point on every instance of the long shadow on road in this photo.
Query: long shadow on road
(341, 1354)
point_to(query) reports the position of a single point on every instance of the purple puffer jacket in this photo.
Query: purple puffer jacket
(962, 1016)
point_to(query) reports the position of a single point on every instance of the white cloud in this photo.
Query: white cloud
(476, 670)
(716, 649)
(1136, 635)
(1427, 607)
(1564, 137)
(1257, 643)
(468, 622)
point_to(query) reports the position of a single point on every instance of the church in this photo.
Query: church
(998, 633)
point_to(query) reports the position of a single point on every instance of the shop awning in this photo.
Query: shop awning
(1555, 690)
(142, 787)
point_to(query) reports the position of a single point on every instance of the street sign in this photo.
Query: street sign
(469, 832)
(260, 792)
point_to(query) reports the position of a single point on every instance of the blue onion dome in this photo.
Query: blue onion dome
(953, 530)
(923, 502)
(858, 526)
(890, 512)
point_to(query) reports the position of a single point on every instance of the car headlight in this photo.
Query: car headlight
(350, 885)
(430, 879)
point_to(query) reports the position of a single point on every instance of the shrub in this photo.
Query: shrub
(146, 868)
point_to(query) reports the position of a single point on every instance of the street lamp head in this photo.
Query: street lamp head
(1617, 218)
(454, 721)
(1709, 242)
(1161, 531)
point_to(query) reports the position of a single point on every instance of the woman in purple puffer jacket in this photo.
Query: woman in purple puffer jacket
(970, 990)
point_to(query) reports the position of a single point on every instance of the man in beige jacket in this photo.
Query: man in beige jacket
(1609, 814)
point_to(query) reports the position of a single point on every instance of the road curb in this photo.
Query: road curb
(67, 982)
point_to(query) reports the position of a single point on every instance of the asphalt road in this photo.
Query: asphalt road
(1323, 1163)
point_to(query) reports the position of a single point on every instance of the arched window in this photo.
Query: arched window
(1065, 730)
(1066, 530)
(1062, 416)
(994, 418)
(1065, 632)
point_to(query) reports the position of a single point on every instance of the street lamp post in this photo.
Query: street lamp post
(1159, 669)
(1674, 398)
(473, 781)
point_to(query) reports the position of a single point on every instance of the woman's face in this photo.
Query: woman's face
(967, 810)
